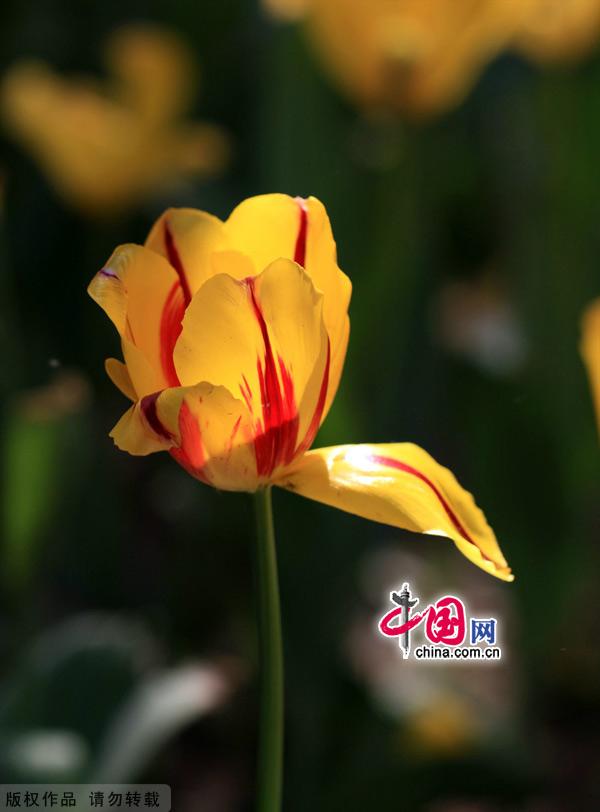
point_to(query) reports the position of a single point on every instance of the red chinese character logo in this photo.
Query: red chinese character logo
(446, 622)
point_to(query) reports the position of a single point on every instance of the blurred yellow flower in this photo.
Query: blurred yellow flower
(417, 56)
(590, 350)
(106, 147)
(234, 336)
(287, 9)
(442, 728)
(67, 394)
(560, 29)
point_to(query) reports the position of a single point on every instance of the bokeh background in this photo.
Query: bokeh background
(468, 223)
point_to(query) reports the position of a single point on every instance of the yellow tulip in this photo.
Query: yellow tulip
(560, 29)
(106, 147)
(416, 56)
(590, 350)
(234, 336)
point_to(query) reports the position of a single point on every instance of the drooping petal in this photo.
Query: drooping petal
(262, 338)
(276, 225)
(401, 485)
(142, 295)
(203, 427)
(590, 350)
(187, 238)
(138, 432)
(119, 375)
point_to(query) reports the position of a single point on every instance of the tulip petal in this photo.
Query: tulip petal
(187, 238)
(263, 338)
(401, 485)
(203, 427)
(590, 350)
(266, 227)
(119, 375)
(142, 295)
(214, 436)
(136, 433)
(276, 225)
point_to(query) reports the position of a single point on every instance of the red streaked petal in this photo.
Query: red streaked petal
(174, 258)
(263, 338)
(401, 485)
(317, 417)
(187, 238)
(170, 330)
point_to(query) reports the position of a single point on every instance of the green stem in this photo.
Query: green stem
(270, 748)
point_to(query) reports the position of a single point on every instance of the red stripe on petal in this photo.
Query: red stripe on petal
(276, 430)
(402, 466)
(190, 454)
(246, 392)
(170, 330)
(300, 247)
(315, 423)
(174, 309)
(234, 431)
(148, 408)
(175, 259)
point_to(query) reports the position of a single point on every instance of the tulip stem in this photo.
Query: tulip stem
(270, 746)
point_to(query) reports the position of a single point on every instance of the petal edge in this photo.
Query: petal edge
(399, 484)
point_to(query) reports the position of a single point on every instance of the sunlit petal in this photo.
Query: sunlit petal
(401, 485)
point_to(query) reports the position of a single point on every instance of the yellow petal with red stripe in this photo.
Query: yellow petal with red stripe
(276, 225)
(203, 427)
(187, 238)
(263, 338)
(590, 350)
(142, 295)
(215, 440)
(137, 434)
(398, 484)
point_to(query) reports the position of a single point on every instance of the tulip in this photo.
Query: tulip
(553, 30)
(234, 336)
(590, 350)
(106, 148)
(418, 57)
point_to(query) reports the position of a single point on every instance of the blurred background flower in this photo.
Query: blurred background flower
(444, 711)
(476, 319)
(419, 57)
(105, 146)
(555, 30)
(422, 57)
(590, 349)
